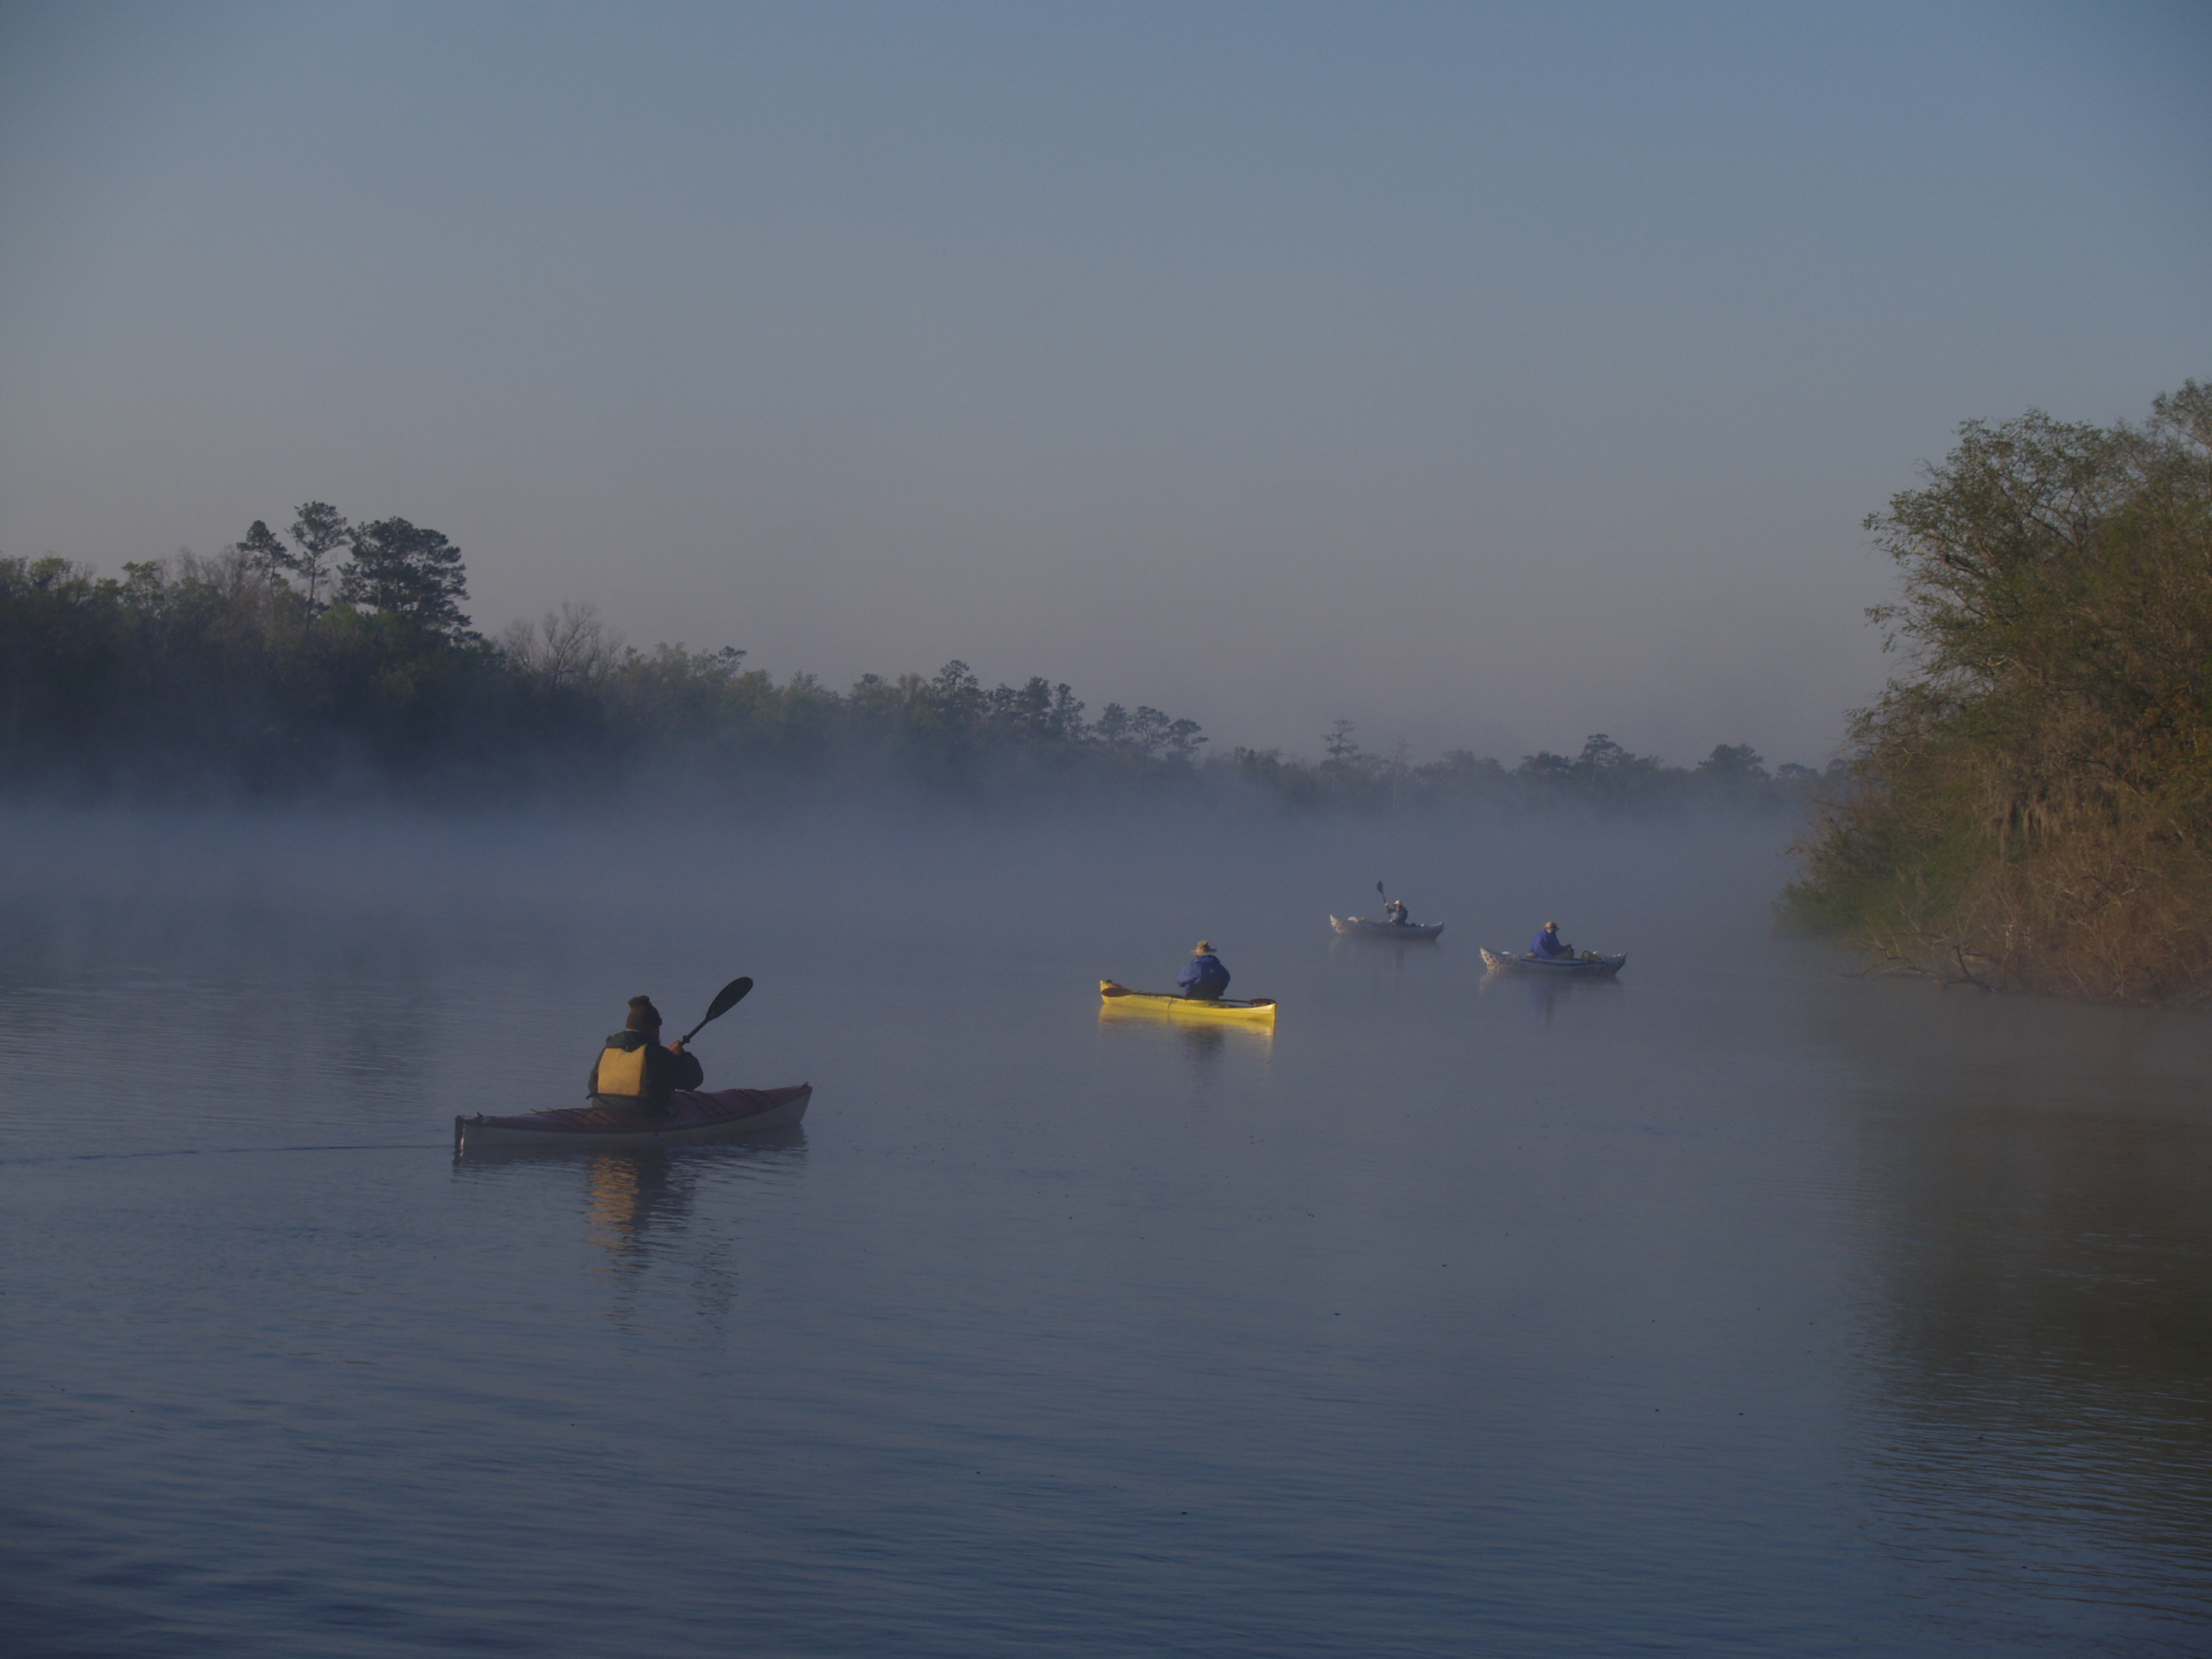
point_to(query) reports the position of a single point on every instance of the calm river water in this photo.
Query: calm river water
(1736, 1307)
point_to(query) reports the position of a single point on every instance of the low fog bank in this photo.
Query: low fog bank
(856, 777)
(376, 960)
(903, 872)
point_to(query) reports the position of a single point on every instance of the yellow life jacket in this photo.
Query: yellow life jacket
(622, 1071)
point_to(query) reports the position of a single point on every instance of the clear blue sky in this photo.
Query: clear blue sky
(1488, 376)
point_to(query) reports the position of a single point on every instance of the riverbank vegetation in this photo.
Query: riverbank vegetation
(2030, 803)
(336, 656)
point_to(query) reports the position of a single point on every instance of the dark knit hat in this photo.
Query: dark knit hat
(643, 1015)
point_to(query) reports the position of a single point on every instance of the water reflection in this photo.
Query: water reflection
(1385, 960)
(1363, 944)
(2035, 1382)
(1203, 1046)
(1541, 992)
(641, 1202)
(627, 1192)
(1198, 1039)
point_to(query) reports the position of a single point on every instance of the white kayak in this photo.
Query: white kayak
(1360, 927)
(1592, 967)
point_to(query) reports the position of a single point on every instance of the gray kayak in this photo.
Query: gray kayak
(1504, 961)
(1359, 927)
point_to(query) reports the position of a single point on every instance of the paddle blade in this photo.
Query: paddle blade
(727, 998)
(1378, 888)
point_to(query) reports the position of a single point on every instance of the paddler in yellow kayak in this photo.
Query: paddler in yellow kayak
(634, 1072)
(1203, 979)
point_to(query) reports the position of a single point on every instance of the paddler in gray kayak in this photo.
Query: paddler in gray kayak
(635, 1073)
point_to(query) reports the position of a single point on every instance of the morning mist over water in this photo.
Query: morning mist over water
(1737, 1304)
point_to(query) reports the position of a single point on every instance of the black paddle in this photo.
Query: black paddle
(726, 999)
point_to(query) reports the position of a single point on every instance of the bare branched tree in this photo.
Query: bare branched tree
(568, 650)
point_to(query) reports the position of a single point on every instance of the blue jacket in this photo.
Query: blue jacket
(1550, 944)
(1203, 970)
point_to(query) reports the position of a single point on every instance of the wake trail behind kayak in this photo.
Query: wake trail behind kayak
(223, 1152)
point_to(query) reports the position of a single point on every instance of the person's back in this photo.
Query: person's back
(1203, 976)
(634, 1072)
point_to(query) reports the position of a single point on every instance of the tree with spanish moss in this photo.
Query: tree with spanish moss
(2030, 803)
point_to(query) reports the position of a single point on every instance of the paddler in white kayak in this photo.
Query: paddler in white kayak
(1548, 946)
(635, 1072)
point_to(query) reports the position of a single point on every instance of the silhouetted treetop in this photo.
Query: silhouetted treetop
(410, 573)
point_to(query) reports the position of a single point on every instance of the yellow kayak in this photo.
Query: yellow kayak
(1260, 1011)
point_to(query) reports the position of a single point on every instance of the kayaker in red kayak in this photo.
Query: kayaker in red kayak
(634, 1069)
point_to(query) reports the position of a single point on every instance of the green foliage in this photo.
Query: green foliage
(2031, 802)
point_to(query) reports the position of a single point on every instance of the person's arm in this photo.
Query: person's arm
(669, 1068)
(686, 1072)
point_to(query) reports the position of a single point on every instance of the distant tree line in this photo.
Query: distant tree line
(1604, 777)
(337, 654)
(2030, 804)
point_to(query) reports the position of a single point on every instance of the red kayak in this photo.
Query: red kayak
(697, 1115)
